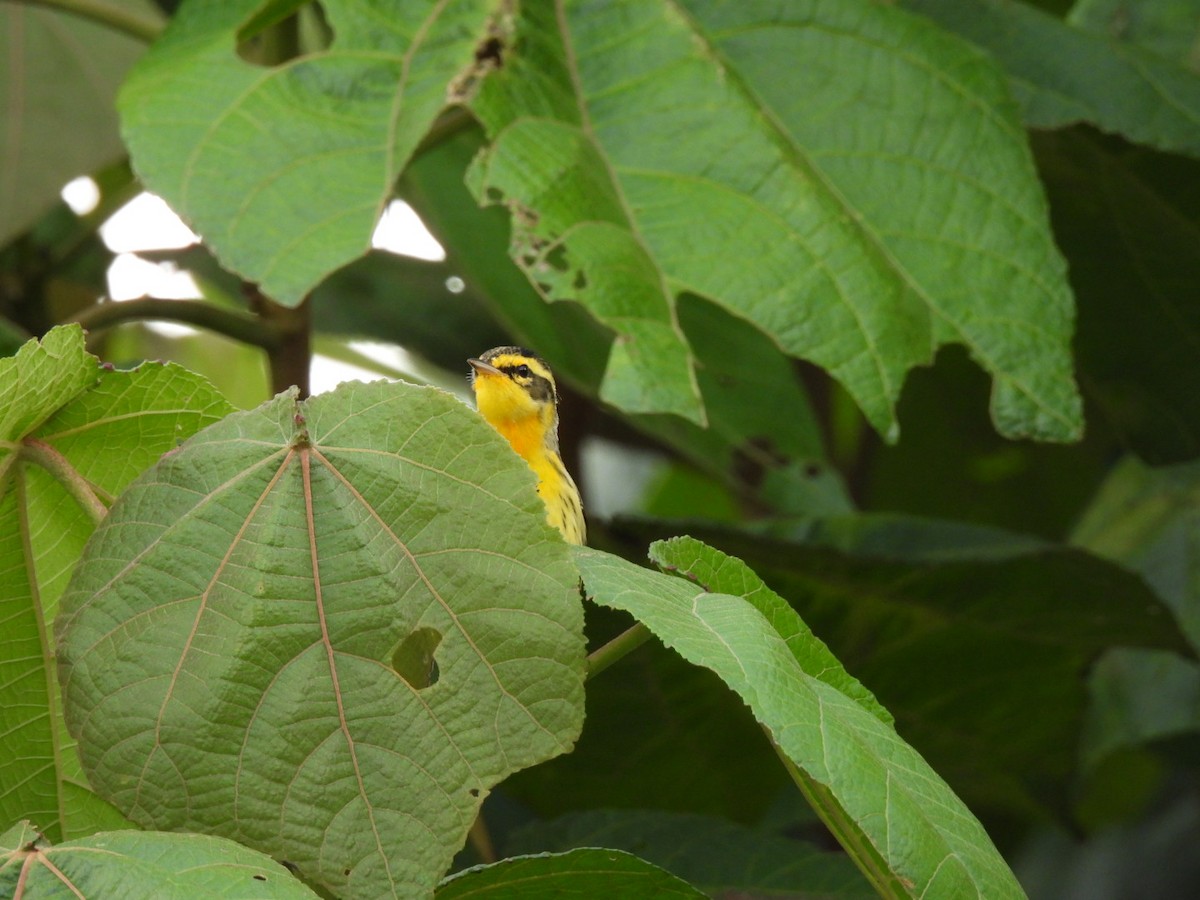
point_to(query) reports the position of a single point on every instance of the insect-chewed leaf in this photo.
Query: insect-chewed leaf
(326, 629)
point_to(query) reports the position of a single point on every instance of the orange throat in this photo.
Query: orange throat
(525, 436)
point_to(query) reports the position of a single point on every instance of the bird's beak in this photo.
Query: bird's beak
(482, 368)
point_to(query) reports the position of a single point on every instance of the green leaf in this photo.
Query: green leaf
(229, 638)
(763, 434)
(1140, 696)
(285, 169)
(963, 633)
(1062, 75)
(1149, 521)
(747, 443)
(900, 822)
(1168, 28)
(950, 464)
(643, 716)
(650, 149)
(719, 573)
(139, 865)
(59, 68)
(237, 369)
(586, 873)
(475, 240)
(721, 858)
(1126, 238)
(72, 436)
(405, 300)
(39, 379)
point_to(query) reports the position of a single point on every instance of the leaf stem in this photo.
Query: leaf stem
(618, 648)
(144, 28)
(869, 861)
(237, 325)
(67, 475)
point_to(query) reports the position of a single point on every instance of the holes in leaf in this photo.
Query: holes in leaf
(283, 31)
(474, 792)
(557, 259)
(414, 659)
(490, 52)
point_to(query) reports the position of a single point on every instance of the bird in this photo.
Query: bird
(516, 394)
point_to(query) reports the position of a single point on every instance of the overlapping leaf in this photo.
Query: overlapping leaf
(746, 441)
(585, 872)
(326, 629)
(1062, 75)
(59, 67)
(722, 858)
(285, 170)
(959, 630)
(906, 828)
(1167, 27)
(72, 436)
(1134, 264)
(821, 169)
(137, 865)
(1149, 520)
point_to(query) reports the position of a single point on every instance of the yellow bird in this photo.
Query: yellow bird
(516, 394)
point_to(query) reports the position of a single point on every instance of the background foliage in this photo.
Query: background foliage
(894, 302)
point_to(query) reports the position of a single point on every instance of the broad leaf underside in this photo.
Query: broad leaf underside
(326, 629)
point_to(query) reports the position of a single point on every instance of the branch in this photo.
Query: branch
(144, 28)
(290, 359)
(238, 325)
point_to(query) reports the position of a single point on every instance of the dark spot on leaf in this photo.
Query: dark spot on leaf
(493, 194)
(474, 792)
(413, 659)
(490, 51)
(260, 877)
(289, 865)
(812, 470)
(557, 259)
(346, 871)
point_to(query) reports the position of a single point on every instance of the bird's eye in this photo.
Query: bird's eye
(521, 371)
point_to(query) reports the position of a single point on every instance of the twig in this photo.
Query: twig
(237, 325)
(144, 28)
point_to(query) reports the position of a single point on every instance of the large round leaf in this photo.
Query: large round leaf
(326, 629)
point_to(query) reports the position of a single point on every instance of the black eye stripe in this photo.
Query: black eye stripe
(540, 388)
